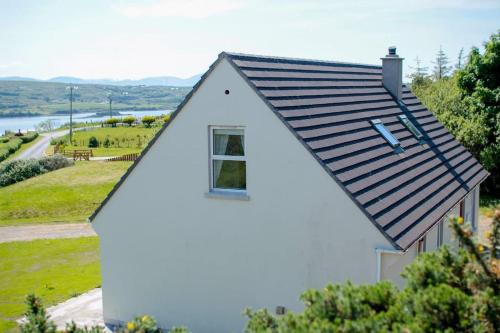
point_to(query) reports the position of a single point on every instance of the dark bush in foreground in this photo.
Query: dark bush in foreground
(447, 291)
(19, 170)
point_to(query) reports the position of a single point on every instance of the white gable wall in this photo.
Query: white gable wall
(169, 251)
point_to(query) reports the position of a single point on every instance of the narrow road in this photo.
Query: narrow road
(45, 231)
(40, 146)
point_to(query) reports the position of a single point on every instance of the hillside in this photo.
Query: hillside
(19, 98)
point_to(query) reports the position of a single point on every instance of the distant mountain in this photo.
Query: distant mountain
(172, 81)
(16, 78)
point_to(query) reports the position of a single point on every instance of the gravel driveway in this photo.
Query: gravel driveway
(45, 231)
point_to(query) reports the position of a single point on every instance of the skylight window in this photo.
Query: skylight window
(411, 127)
(379, 126)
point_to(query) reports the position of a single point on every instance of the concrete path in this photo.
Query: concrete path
(38, 149)
(45, 231)
(84, 310)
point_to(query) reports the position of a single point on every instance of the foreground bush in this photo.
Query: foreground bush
(19, 170)
(447, 291)
(38, 321)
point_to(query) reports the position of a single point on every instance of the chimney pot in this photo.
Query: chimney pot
(392, 73)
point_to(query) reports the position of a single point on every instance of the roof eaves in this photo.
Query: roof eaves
(325, 167)
(155, 138)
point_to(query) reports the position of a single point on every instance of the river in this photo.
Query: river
(28, 123)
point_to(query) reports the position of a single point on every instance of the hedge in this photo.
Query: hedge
(19, 170)
(10, 147)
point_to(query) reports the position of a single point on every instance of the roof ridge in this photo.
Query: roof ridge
(298, 60)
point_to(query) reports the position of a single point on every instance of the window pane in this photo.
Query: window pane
(229, 174)
(387, 135)
(228, 142)
(411, 127)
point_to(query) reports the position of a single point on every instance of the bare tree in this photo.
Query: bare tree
(45, 126)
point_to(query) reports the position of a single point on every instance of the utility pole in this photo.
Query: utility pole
(110, 98)
(71, 88)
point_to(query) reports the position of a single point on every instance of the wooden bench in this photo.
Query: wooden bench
(82, 154)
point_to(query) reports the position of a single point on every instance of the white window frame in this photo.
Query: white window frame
(213, 157)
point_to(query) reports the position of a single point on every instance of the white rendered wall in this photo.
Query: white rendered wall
(169, 251)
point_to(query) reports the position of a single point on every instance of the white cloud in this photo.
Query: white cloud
(11, 64)
(181, 8)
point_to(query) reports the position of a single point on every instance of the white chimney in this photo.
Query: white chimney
(392, 73)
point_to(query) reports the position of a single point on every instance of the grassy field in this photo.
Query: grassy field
(66, 195)
(121, 140)
(52, 269)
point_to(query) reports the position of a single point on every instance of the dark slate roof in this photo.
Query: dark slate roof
(329, 105)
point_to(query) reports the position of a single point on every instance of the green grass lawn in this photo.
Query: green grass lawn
(66, 195)
(55, 270)
(121, 140)
(100, 152)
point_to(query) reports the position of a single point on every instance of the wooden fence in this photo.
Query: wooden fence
(128, 157)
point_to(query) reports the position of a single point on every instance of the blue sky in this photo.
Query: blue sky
(133, 39)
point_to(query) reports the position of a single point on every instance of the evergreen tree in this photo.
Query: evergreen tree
(441, 67)
(460, 59)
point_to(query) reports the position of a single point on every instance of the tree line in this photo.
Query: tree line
(466, 99)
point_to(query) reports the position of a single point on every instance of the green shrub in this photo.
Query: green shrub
(148, 120)
(93, 143)
(9, 147)
(107, 142)
(166, 118)
(19, 170)
(28, 137)
(129, 120)
(112, 122)
(4, 139)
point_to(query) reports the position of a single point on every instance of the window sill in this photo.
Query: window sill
(241, 196)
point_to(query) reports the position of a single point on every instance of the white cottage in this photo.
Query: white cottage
(276, 175)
